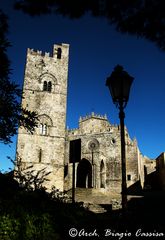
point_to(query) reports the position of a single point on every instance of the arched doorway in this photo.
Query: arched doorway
(102, 175)
(84, 174)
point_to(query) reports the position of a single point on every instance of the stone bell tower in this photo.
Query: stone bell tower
(45, 91)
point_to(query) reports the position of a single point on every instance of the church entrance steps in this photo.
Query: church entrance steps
(93, 196)
(96, 208)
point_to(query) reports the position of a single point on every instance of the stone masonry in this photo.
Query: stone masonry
(45, 91)
(94, 146)
(103, 162)
(160, 167)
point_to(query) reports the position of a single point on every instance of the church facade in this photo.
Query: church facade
(93, 148)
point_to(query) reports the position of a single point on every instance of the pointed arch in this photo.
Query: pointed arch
(102, 174)
(84, 174)
(45, 119)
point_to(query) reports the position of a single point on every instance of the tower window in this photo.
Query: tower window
(43, 129)
(40, 155)
(45, 86)
(49, 86)
(59, 53)
(129, 177)
(113, 141)
(44, 132)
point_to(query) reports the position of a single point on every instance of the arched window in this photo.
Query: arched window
(43, 129)
(45, 86)
(49, 86)
(45, 125)
(59, 53)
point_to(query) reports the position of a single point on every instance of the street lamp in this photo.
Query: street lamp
(92, 147)
(119, 84)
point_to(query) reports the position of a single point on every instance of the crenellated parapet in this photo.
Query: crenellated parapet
(57, 51)
(72, 132)
(93, 115)
(38, 53)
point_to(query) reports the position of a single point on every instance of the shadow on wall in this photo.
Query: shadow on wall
(150, 183)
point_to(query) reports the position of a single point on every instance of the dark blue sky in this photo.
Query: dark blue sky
(95, 49)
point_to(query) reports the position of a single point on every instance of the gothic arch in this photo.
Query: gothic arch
(47, 82)
(102, 174)
(84, 174)
(44, 118)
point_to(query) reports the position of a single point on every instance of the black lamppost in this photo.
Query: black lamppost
(92, 147)
(119, 84)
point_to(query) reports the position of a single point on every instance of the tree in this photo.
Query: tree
(11, 112)
(143, 18)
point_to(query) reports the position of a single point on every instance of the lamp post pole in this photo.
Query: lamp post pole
(92, 146)
(119, 84)
(73, 181)
(73, 170)
(123, 157)
(92, 171)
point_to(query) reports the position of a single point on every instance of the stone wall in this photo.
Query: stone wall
(98, 153)
(45, 91)
(105, 157)
(160, 170)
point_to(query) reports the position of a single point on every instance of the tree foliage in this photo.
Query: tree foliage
(11, 112)
(34, 214)
(143, 18)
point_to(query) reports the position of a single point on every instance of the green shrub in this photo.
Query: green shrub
(32, 227)
(9, 228)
